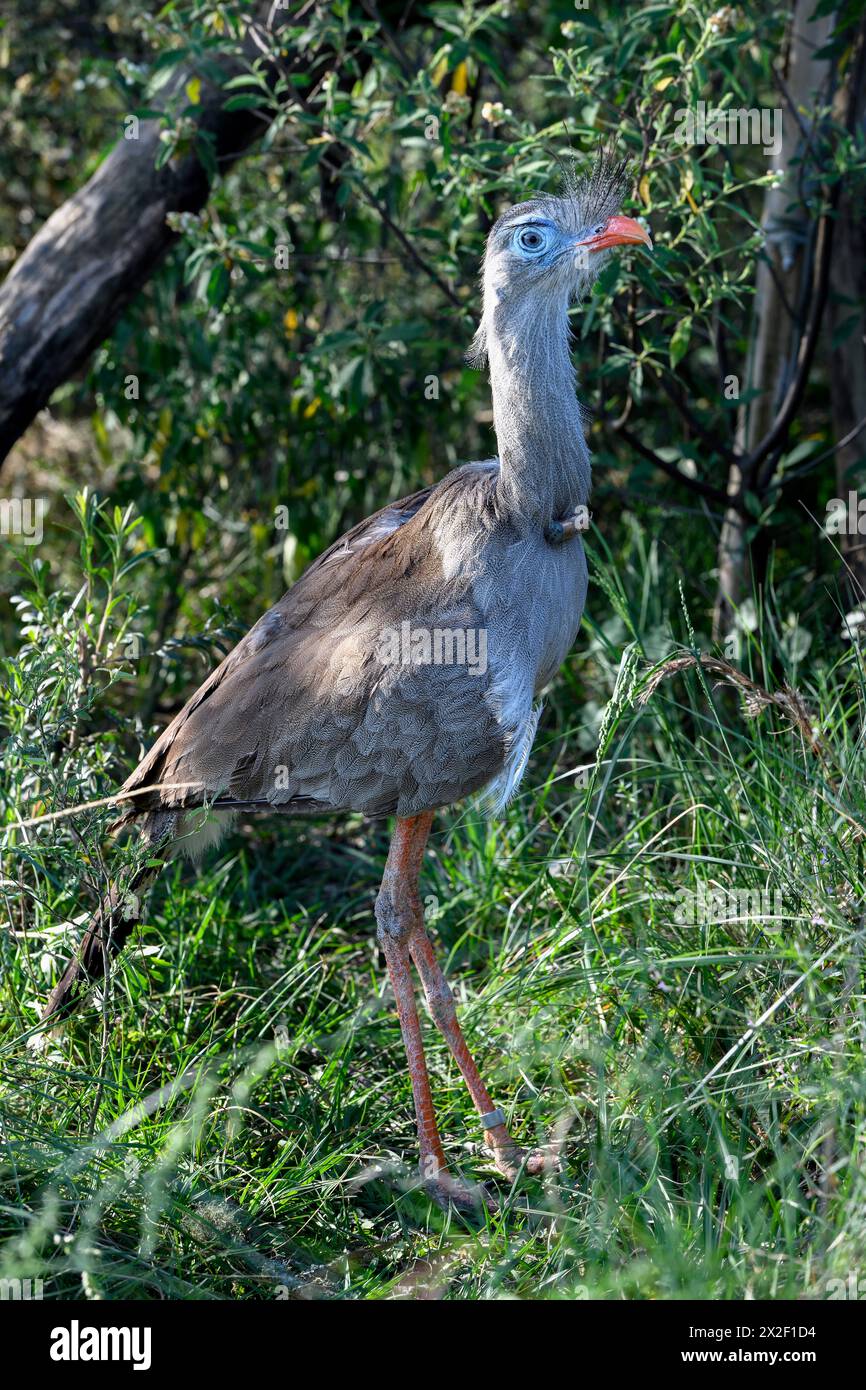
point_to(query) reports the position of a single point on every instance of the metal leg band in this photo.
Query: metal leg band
(492, 1119)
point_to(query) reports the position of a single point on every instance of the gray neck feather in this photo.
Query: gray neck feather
(544, 460)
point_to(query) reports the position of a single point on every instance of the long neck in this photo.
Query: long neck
(544, 460)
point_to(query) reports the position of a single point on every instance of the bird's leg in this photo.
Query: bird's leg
(508, 1156)
(398, 912)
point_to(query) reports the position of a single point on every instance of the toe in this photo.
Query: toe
(510, 1160)
(542, 1161)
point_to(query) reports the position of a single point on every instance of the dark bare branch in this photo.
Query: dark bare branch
(761, 462)
(67, 290)
(696, 485)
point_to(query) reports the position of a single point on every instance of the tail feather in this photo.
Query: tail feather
(110, 926)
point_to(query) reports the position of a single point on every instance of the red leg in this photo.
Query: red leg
(398, 912)
(507, 1155)
(431, 1153)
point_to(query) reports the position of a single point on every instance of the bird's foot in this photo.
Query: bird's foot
(511, 1160)
(447, 1192)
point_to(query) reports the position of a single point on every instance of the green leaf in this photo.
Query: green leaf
(679, 342)
(218, 286)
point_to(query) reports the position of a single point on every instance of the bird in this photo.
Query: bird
(403, 672)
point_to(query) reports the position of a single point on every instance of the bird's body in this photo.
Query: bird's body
(402, 672)
(335, 699)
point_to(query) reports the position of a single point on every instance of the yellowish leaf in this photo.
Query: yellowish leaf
(662, 84)
(312, 407)
(643, 189)
(193, 91)
(290, 320)
(460, 79)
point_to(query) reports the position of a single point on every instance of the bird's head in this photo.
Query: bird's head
(543, 253)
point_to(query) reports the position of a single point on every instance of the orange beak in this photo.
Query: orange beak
(618, 231)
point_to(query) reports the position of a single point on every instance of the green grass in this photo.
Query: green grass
(235, 1119)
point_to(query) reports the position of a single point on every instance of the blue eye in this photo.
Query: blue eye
(531, 239)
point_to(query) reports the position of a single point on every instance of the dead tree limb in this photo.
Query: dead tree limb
(67, 290)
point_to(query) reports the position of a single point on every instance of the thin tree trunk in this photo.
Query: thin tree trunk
(781, 297)
(847, 320)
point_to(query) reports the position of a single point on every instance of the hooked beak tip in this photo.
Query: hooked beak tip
(618, 231)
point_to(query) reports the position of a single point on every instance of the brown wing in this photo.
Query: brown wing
(303, 716)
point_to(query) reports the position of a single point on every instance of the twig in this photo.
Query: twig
(675, 394)
(712, 494)
(842, 443)
(755, 697)
(368, 194)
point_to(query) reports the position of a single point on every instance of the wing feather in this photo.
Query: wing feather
(302, 716)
